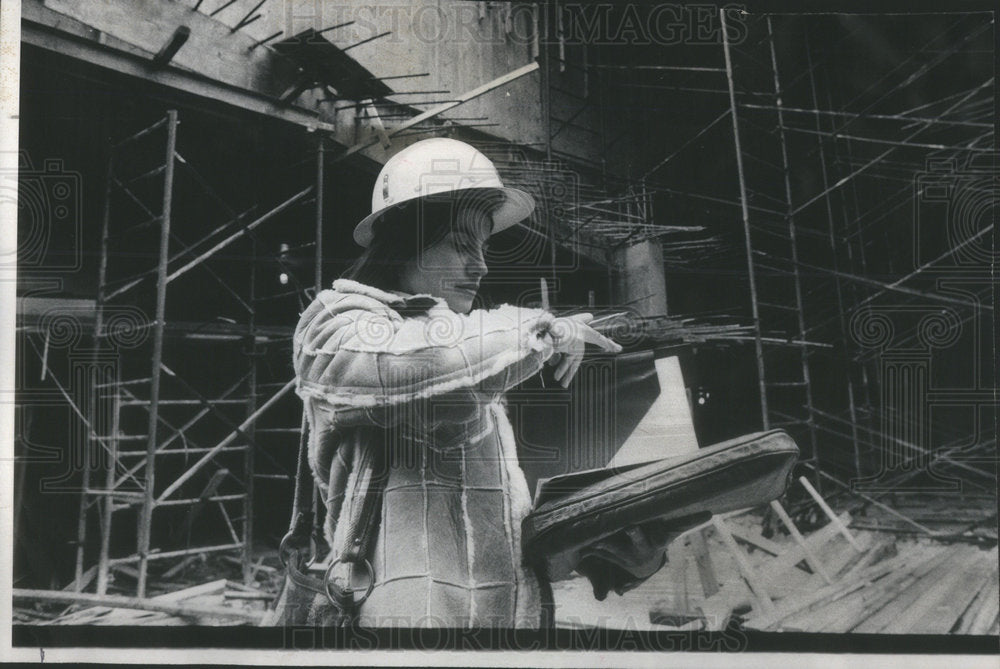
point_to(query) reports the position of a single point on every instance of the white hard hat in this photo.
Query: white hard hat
(434, 167)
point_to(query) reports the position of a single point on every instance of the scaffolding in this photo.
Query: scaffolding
(772, 257)
(193, 433)
(839, 294)
(161, 438)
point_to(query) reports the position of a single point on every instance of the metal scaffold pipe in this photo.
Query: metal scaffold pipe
(758, 345)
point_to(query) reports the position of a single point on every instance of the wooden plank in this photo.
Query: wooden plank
(703, 560)
(842, 615)
(210, 588)
(140, 603)
(748, 572)
(777, 569)
(885, 548)
(986, 616)
(933, 590)
(888, 589)
(677, 556)
(735, 593)
(717, 609)
(983, 610)
(239, 594)
(92, 613)
(907, 591)
(811, 557)
(780, 576)
(807, 600)
(757, 540)
(794, 607)
(840, 525)
(838, 613)
(841, 557)
(675, 609)
(795, 581)
(942, 617)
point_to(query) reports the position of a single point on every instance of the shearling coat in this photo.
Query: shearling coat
(408, 375)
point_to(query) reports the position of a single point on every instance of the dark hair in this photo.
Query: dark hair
(405, 231)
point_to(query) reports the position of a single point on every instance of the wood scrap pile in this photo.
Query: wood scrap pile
(834, 580)
(925, 589)
(837, 579)
(199, 589)
(219, 602)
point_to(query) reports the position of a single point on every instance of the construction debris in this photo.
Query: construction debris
(218, 601)
(197, 603)
(837, 579)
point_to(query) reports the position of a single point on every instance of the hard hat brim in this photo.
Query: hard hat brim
(516, 206)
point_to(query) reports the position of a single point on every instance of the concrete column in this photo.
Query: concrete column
(639, 281)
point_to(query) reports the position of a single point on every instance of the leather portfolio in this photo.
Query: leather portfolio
(573, 511)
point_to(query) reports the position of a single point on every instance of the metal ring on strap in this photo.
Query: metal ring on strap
(332, 595)
(285, 550)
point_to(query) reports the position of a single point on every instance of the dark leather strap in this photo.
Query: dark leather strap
(302, 518)
(297, 549)
(366, 512)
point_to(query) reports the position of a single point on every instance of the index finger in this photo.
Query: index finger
(592, 336)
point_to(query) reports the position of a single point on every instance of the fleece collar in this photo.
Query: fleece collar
(395, 299)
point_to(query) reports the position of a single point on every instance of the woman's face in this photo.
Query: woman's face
(453, 267)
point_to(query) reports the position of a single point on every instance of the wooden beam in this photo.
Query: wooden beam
(894, 609)
(986, 612)
(137, 603)
(889, 572)
(173, 45)
(748, 572)
(776, 571)
(942, 615)
(703, 559)
(811, 558)
(757, 541)
(841, 527)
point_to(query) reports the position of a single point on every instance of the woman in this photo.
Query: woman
(403, 386)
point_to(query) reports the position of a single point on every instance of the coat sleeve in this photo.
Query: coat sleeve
(374, 367)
